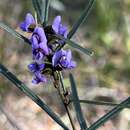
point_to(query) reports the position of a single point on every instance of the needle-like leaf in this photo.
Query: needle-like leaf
(39, 6)
(13, 32)
(46, 12)
(75, 46)
(4, 71)
(87, 51)
(104, 103)
(110, 114)
(77, 106)
(81, 19)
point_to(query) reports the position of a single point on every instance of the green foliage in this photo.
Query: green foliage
(76, 103)
(83, 17)
(13, 32)
(46, 12)
(107, 17)
(76, 46)
(41, 7)
(109, 115)
(4, 71)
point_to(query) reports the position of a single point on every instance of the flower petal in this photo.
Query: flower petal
(27, 22)
(36, 78)
(44, 47)
(56, 24)
(34, 42)
(64, 59)
(32, 67)
(23, 26)
(68, 55)
(72, 65)
(41, 77)
(56, 57)
(29, 19)
(35, 81)
(40, 32)
(64, 63)
(63, 30)
(41, 66)
(39, 56)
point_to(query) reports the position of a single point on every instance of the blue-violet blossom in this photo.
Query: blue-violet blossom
(41, 49)
(29, 20)
(37, 69)
(39, 44)
(58, 27)
(63, 59)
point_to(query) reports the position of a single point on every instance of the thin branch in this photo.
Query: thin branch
(67, 109)
(57, 86)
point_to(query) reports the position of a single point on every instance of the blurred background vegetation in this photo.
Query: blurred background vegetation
(104, 76)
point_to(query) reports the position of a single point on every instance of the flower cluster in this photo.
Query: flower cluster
(46, 57)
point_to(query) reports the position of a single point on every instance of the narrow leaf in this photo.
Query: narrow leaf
(39, 6)
(99, 103)
(75, 46)
(82, 18)
(31, 95)
(46, 11)
(81, 49)
(13, 32)
(110, 114)
(77, 106)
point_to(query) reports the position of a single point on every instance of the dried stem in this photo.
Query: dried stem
(57, 84)
(67, 109)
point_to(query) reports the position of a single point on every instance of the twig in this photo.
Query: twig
(62, 96)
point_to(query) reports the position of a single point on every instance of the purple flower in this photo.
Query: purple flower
(58, 27)
(63, 59)
(39, 44)
(38, 78)
(29, 20)
(36, 69)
